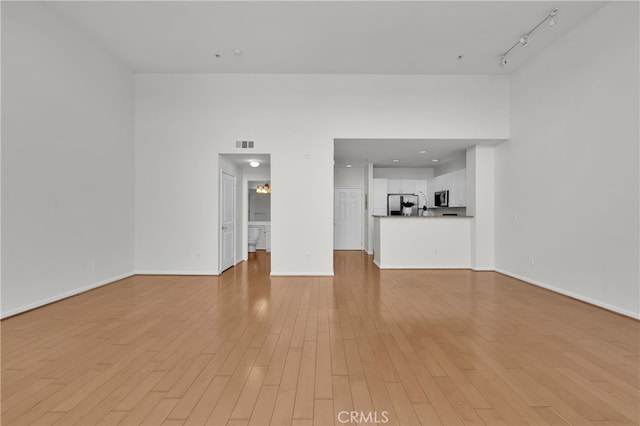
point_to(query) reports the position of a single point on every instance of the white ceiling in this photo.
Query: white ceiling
(327, 37)
(382, 152)
(243, 160)
(320, 37)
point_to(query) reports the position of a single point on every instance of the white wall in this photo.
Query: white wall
(262, 173)
(67, 161)
(458, 162)
(353, 177)
(567, 181)
(184, 121)
(481, 183)
(418, 242)
(368, 219)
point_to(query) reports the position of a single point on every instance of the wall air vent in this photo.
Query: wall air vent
(244, 144)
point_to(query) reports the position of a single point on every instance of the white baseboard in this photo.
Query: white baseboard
(573, 295)
(301, 274)
(158, 272)
(64, 295)
(423, 267)
(483, 269)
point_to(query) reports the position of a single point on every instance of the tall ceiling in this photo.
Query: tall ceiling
(327, 37)
(320, 37)
(407, 152)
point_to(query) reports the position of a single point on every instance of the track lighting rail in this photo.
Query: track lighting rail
(524, 40)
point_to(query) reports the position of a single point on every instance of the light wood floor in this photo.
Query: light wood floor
(430, 347)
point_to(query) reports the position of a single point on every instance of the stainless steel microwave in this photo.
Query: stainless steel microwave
(441, 199)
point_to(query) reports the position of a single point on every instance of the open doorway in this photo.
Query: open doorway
(259, 216)
(250, 208)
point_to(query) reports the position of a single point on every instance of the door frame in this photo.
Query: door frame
(362, 212)
(220, 219)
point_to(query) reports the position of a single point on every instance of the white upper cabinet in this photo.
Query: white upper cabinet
(406, 186)
(394, 186)
(455, 183)
(380, 197)
(458, 190)
(383, 186)
(441, 183)
(437, 183)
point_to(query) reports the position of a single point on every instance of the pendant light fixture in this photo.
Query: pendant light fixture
(263, 189)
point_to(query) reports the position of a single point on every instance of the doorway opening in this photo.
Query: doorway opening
(251, 209)
(259, 216)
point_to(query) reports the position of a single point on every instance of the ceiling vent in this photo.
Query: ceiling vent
(244, 144)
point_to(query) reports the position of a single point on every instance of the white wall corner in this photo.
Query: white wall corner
(62, 296)
(559, 290)
(481, 205)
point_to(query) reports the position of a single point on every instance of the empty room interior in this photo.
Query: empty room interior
(320, 212)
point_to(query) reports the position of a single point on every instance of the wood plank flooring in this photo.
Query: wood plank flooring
(410, 347)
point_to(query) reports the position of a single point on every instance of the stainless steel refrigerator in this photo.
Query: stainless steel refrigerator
(394, 206)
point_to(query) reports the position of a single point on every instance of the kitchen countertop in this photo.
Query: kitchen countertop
(423, 217)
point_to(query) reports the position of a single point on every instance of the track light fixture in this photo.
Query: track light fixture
(550, 19)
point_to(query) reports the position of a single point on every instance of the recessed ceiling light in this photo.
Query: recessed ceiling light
(423, 152)
(254, 163)
(237, 52)
(349, 165)
(395, 161)
(435, 161)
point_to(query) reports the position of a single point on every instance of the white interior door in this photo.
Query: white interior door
(228, 225)
(347, 219)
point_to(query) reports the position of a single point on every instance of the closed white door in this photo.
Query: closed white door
(347, 233)
(227, 222)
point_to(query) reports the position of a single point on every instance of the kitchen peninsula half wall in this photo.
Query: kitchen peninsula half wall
(418, 242)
